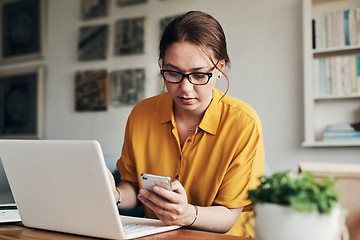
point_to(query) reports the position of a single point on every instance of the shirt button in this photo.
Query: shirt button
(189, 140)
(177, 177)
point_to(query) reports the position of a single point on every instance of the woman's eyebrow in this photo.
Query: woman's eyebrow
(179, 69)
(172, 66)
(201, 68)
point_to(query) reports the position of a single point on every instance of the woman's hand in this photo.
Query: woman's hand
(171, 207)
(112, 180)
(125, 193)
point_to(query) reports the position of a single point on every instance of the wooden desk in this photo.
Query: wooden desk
(18, 231)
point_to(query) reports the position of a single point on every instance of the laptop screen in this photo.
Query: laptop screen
(5, 192)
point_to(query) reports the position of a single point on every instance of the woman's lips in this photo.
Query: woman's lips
(186, 100)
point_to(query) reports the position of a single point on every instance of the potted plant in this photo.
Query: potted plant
(290, 205)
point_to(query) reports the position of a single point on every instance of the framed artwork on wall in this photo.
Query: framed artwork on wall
(125, 3)
(127, 87)
(92, 43)
(21, 103)
(91, 90)
(92, 9)
(22, 30)
(129, 36)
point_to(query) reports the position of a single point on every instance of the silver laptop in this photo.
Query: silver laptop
(62, 185)
(8, 209)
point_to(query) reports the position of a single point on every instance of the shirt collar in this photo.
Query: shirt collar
(165, 108)
(210, 121)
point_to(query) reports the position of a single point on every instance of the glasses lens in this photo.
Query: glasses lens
(172, 76)
(199, 78)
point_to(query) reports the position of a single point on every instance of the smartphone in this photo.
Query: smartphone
(150, 180)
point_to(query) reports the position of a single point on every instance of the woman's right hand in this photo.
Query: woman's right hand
(112, 181)
(171, 207)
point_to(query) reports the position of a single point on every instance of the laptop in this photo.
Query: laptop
(62, 185)
(8, 209)
(9, 213)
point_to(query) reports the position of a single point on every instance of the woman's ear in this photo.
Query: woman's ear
(160, 63)
(221, 67)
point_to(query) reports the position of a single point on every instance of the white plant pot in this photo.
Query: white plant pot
(275, 222)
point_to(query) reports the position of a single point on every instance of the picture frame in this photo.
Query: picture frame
(21, 103)
(93, 9)
(93, 42)
(125, 3)
(129, 36)
(22, 30)
(91, 90)
(127, 87)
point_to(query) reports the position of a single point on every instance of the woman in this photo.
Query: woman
(209, 143)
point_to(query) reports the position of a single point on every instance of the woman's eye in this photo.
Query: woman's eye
(198, 76)
(173, 74)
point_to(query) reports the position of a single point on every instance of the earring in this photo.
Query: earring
(219, 76)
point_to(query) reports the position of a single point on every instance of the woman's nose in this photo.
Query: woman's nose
(186, 85)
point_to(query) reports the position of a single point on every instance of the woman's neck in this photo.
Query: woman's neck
(190, 117)
(186, 123)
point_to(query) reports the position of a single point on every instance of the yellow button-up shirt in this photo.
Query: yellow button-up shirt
(218, 163)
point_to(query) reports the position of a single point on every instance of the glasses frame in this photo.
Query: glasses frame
(187, 76)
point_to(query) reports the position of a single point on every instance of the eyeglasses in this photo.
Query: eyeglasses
(194, 78)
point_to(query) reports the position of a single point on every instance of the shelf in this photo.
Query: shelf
(333, 143)
(332, 52)
(336, 49)
(321, 110)
(336, 97)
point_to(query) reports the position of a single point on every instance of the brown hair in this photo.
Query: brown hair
(201, 29)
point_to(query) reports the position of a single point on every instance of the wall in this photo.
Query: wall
(265, 47)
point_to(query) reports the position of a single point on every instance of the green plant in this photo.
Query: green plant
(300, 191)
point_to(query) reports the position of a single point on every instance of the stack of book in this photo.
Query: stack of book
(342, 131)
(336, 76)
(336, 29)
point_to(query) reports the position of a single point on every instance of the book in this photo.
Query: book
(357, 13)
(346, 80)
(317, 32)
(352, 27)
(358, 71)
(346, 134)
(329, 29)
(343, 127)
(336, 29)
(346, 27)
(333, 82)
(313, 34)
(322, 76)
(340, 29)
(315, 76)
(323, 34)
(353, 75)
(336, 76)
(339, 131)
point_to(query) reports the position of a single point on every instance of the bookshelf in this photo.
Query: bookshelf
(325, 101)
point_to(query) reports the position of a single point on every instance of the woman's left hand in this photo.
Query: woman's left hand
(171, 207)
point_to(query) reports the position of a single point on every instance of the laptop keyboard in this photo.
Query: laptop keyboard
(133, 228)
(9, 216)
